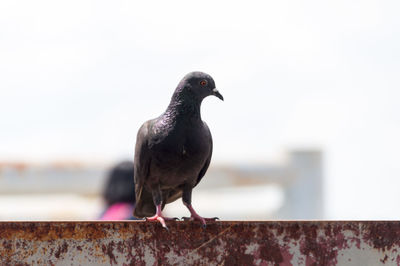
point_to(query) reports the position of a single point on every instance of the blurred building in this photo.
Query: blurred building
(291, 190)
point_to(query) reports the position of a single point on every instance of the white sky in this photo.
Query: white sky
(77, 79)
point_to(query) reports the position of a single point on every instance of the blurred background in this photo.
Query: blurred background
(309, 128)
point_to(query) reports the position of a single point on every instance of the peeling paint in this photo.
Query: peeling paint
(221, 243)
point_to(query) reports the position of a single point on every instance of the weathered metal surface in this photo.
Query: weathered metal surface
(186, 243)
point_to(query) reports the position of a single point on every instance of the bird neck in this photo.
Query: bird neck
(184, 107)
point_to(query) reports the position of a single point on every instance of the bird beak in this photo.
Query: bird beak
(216, 93)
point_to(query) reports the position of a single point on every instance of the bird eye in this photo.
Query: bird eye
(203, 82)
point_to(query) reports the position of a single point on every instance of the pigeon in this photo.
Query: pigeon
(173, 151)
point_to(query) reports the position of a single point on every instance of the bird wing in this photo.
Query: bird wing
(208, 160)
(144, 202)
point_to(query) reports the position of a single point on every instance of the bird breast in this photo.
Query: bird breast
(178, 161)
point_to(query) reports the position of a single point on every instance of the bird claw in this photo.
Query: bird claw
(213, 219)
(187, 218)
(201, 219)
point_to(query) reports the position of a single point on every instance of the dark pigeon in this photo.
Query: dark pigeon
(173, 151)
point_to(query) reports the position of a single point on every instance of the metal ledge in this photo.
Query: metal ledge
(221, 243)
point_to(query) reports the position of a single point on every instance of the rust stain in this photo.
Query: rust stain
(61, 250)
(382, 236)
(221, 243)
(44, 231)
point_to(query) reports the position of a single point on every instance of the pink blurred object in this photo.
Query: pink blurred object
(118, 211)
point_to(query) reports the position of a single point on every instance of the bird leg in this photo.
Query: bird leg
(187, 199)
(158, 216)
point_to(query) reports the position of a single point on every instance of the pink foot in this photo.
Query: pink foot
(194, 216)
(159, 217)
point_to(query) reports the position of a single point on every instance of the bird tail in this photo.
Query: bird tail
(144, 205)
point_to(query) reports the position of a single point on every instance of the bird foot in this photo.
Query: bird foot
(201, 219)
(161, 219)
(195, 216)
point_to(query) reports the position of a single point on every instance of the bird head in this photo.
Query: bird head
(199, 85)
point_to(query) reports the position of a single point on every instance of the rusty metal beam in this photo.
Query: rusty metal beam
(221, 243)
